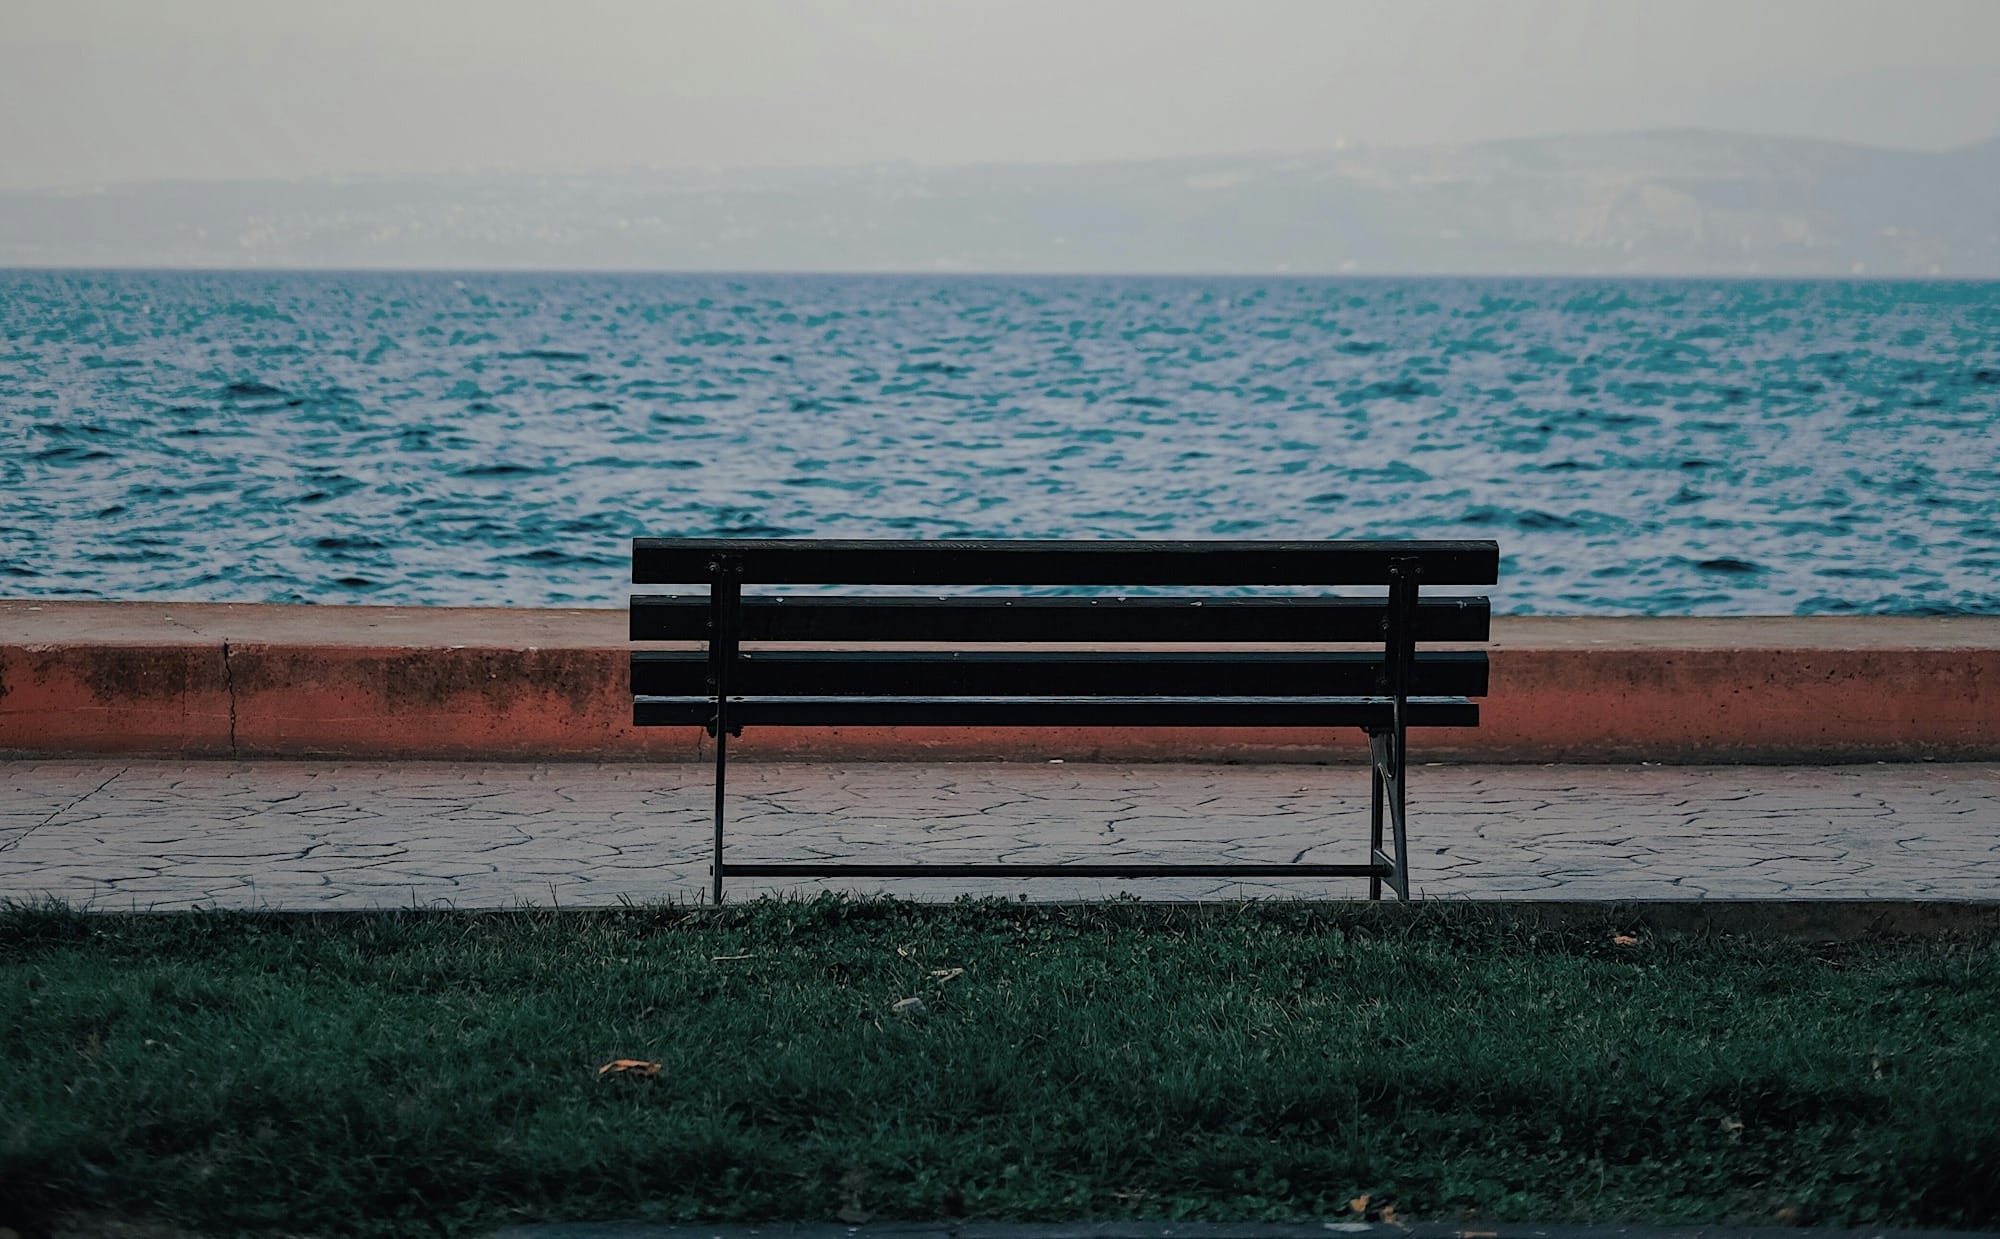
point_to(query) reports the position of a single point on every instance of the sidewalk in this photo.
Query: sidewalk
(153, 834)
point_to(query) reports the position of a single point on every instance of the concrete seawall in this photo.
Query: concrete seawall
(222, 680)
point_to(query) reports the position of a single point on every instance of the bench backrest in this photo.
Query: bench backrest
(925, 636)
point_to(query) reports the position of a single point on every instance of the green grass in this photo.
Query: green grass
(402, 1072)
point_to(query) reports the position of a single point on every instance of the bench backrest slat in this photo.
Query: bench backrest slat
(688, 561)
(1087, 620)
(1046, 673)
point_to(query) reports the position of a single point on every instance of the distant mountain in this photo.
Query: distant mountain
(1669, 203)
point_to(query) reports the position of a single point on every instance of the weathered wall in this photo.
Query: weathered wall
(270, 681)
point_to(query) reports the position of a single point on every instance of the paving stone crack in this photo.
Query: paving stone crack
(16, 841)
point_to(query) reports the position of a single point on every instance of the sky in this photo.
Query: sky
(113, 91)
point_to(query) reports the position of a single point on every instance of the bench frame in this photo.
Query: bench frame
(1385, 714)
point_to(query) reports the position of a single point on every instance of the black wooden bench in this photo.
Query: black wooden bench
(963, 674)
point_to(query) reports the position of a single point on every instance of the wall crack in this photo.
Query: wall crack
(229, 683)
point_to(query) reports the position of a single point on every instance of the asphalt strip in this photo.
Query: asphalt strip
(1204, 1230)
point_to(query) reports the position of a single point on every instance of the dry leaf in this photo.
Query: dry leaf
(852, 1211)
(1733, 1126)
(1359, 1204)
(1790, 1215)
(716, 959)
(629, 1066)
(946, 974)
(904, 952)
(1388, 1215)
(1624, 940)
(907, 1006)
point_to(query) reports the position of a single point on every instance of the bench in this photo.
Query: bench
(984, 660)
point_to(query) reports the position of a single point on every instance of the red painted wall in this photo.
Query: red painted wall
(249, 681)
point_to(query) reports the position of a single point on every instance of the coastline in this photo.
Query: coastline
(238, 680)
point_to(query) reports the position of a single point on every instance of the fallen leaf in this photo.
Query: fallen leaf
(716, 959)
(1790, 1215)
(908, 1006)
(630, 1066)
(1624, 940)
(1358, 1205)
(1733, 1126)
(904, 952)
(946, 974)
(1388, 1215)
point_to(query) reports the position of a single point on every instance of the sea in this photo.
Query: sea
(1635, 446)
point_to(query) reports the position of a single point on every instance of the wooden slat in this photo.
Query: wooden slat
(1059, 712)
(1038, 673)
(686, 561)
(1098, 620)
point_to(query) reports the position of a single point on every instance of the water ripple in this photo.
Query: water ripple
(1642, 446)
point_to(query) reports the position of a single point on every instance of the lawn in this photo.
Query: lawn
(396, 1072)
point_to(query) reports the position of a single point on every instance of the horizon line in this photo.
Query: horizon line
(932, 273)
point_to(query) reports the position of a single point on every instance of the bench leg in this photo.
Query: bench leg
(725, 602)
(1397, 820)
(1374, 815)
(721, 772)
(1386, 754)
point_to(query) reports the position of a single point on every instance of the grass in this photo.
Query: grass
(385, 1073)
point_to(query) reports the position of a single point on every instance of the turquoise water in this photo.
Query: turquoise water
(1636, 447)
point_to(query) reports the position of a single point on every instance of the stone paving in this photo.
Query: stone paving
(150, 834)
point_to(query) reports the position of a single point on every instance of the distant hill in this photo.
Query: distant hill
(1670, 203)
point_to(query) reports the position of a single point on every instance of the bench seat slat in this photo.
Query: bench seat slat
(835, 561)
(827, 711)
(1056, 673)
(1100, 620)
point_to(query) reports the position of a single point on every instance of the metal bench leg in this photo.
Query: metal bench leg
(721, 773)
(1386, 754)
(725, 608)
(1398, 657)
(1396, 822)
(1374, 816)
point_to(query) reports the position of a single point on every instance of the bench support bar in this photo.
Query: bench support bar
(1382, 868)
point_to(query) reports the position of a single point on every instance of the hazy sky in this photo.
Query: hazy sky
(95, 91)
